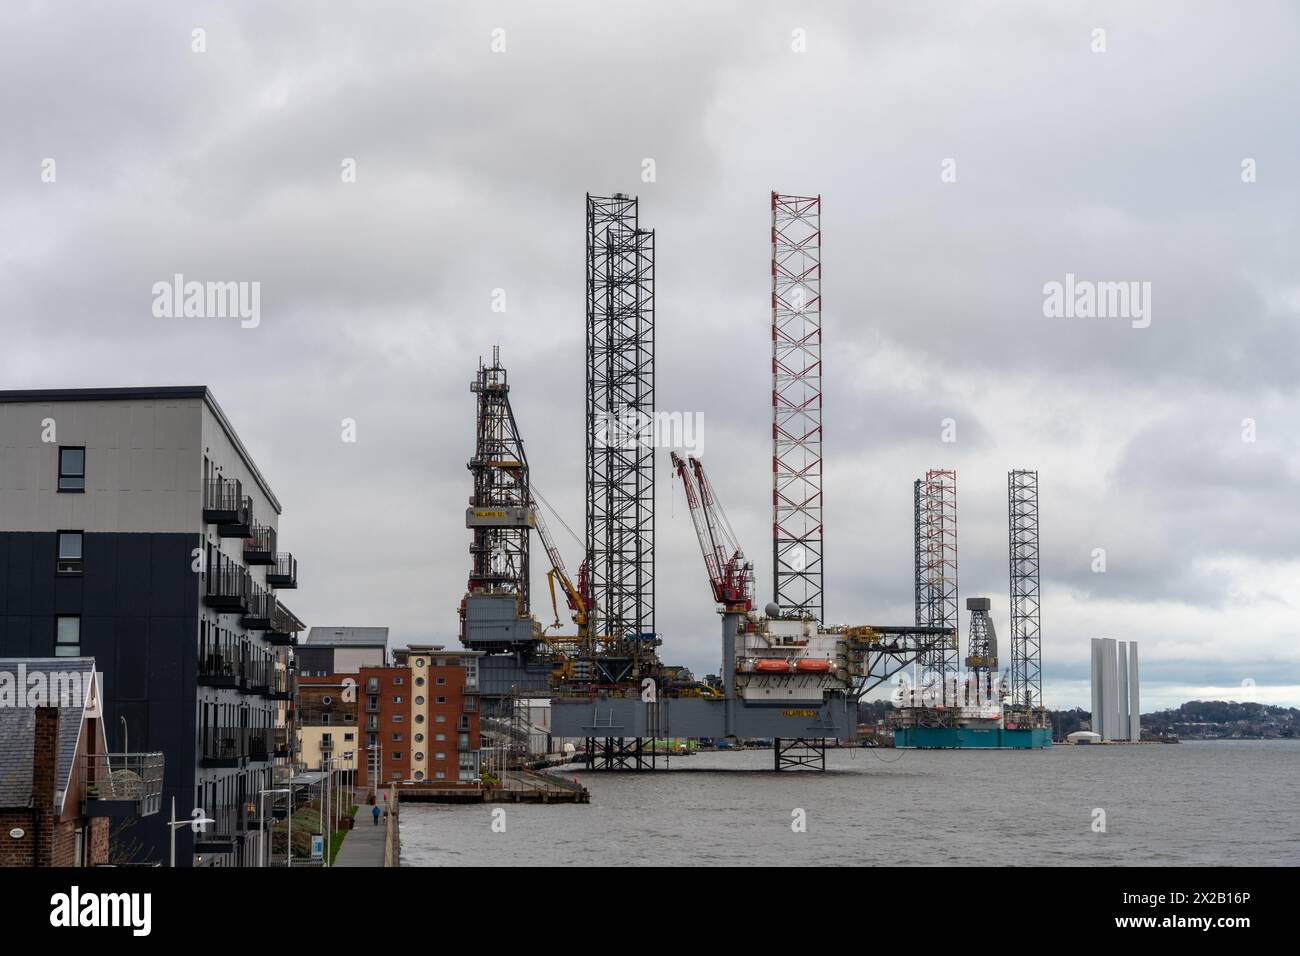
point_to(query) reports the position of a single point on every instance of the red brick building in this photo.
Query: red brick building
(421, 718)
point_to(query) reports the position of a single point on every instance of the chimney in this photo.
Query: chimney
(45, 781)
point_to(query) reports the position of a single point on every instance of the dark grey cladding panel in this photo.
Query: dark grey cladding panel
(17, 584)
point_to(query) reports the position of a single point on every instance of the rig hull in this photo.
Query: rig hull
(972, 738)
(833, 718)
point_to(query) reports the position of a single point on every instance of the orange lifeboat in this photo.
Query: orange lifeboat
(812, 665)
(768, 666)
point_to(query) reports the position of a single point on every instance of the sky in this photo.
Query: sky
(967, 157)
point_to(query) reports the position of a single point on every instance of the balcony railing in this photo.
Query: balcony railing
(283, 685)
(220, 835)
(283, 742)
(259, 547)
(226, 506)
(122, 785)
(258, 673)
(285, 572)
(228, 585)
(231, 746)
(260, 609)
(220, 663)
(283, 631)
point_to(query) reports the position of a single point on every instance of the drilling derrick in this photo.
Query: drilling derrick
(495, 612)
(981, 653)
(1026, 707)
(797, 405)
(620, 441)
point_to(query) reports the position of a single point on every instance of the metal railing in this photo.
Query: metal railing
(261, 542)
(261, 603)
(220, 658)
(223, 494)
(235, 743)
(227, 579)
(285, 567)
(131, 778)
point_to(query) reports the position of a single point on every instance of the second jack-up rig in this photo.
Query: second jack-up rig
(784, 675)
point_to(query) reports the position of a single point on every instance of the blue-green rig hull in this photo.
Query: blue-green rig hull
(972, 738)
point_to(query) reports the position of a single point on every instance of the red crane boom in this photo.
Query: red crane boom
(730, 575)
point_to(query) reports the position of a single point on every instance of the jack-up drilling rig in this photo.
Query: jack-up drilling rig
(786, 677)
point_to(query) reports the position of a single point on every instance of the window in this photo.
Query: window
(442, 680)
(419, 662)
(397, 755)
(397, 718)
(397, 738)
(419, 775)
(67, 637)
(439, 756)
(327, 700)
(441, 775)
(440, 737)
(347, 738)
(69, 553)
(419, 755)
(419, 682)
(397, 699)
(419, 738)
(441, 718)
(440, 700)
(440, 662)
(419, 701)
(397, 680)
(419, 718)
(72, 469)
(372, 685)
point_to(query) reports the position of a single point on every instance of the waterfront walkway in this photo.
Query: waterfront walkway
(364, 844)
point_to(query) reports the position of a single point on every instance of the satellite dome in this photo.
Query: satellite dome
(773, 609)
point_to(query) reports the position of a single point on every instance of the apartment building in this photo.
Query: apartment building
(328, 727)
(136, 529)
(421, 718)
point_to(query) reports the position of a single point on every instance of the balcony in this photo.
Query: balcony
(221, 835)
(326, 746)
(226, 506)
(259, 547)
(258, 676)
(283, 743)
(260, 609)
(283, 685)
(285, 572)
(220, 664)
(122, 785)
(231, 747)
(228, 584)
(284, 628)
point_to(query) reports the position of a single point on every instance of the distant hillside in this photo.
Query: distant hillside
(1222, 718)
(1196, 719)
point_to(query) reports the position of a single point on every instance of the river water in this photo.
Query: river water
(1212, 802)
